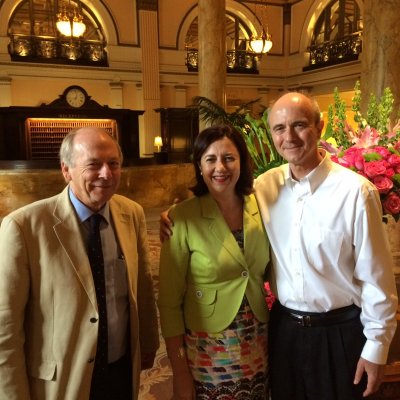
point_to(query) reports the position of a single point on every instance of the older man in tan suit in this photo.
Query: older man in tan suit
(49, 312)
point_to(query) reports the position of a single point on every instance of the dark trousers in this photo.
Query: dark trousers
(116, 383)
(314, 363)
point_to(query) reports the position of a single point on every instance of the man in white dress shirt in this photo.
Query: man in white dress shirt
(332, 325)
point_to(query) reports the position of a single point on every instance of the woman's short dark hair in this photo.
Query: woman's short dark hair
(210, 135)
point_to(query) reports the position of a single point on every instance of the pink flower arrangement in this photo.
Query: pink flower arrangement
(372, 149)
(379, 164)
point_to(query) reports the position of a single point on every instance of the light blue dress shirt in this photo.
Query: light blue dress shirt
(115, 276)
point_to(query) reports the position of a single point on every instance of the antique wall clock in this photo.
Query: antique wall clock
(75, 96)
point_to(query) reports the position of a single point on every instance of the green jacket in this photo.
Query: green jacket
(203, 272)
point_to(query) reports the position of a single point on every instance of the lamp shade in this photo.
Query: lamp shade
(261, 44)
(70, 20)
(158, 142)
(64, 27)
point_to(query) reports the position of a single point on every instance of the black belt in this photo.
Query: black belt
(310, 319)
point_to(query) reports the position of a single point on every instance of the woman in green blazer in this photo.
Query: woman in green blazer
(212, 300)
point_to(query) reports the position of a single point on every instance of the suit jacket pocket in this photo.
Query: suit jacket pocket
(201, 300)
(42, 369)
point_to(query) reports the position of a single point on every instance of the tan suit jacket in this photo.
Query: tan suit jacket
(47, 299)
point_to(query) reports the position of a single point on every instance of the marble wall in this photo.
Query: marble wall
(151, 186)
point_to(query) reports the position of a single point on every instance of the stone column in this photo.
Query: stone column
(142, 138)
(212, 51)
(380, 56)
(148, 29)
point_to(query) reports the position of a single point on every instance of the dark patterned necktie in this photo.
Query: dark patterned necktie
(95, 254)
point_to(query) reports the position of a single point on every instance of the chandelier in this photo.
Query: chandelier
(261, 44)
(70, 20)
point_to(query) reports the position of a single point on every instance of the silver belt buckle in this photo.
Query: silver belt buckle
(306, 320)
(303, 320)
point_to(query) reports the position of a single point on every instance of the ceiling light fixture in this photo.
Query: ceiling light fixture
(261, 44)
(70, 20)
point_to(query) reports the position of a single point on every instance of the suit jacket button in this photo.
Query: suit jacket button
(93, 320)
(245, 274)
(199, 294)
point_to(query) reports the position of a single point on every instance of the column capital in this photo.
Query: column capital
(149, 5)
(5, 78)
(116, 85)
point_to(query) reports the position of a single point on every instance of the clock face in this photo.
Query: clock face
(75, 97)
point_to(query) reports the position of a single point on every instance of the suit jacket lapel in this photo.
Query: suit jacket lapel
(124, 230)
(66, 229)
(219, 228)
(251, 224)
(126, 234)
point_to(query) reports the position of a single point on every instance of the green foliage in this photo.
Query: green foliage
(384, 110)
(372, 111)
(212, 113)
(372, 157)
(329, 127)
(255, 131)
(356, 106)
(336, 121)
(377, 117)
(378, 113)
(259, 142)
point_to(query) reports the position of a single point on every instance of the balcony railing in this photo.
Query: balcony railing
(237, 61)
(334, 52)
(48, 49)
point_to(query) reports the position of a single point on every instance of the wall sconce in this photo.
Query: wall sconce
(158, 143)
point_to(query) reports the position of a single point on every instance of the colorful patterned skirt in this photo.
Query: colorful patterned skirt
(232, 364)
